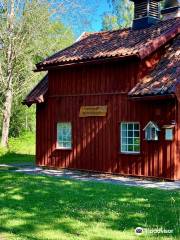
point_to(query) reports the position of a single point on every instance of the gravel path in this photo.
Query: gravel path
(105, 178)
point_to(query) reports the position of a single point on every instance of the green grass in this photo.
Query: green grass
(20, 150)
(7, 168)
(49, 208)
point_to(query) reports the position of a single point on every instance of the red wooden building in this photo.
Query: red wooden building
(111, 101)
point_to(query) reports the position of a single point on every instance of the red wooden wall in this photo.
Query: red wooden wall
(96, 140)
(177, 135)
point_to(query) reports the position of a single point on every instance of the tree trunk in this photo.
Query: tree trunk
(6, 118)
(9, 90)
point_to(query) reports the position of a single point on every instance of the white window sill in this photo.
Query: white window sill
(58, 148)
(130, 153)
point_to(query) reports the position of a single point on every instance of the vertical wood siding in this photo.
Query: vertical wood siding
(96, 140)
(177, 136)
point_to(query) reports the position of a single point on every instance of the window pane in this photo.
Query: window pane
(124, 141)
(61, 144)
(136, 141)
(136, 126)
(124, 134)
(136, 148)
(60, 138)
(130, 148)
(130, 126)
(130, 133)
(64, 131)
(124, 148)
(124, 126)
(130, 140)
(67, 145)
(66, 138)
(136, 133)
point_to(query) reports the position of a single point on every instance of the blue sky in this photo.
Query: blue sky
(88, 17)
(102, 6)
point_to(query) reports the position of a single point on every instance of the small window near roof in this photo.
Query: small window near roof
(169, 132)
(151, 131)
(130, 137)
(64, 135)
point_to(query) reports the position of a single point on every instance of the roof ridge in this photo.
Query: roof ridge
(115, 30)
(164, 77)
(160, 41)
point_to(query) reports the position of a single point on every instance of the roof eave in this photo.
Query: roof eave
(33, 101)
(148, 49)
(152, 97)
(79, 63)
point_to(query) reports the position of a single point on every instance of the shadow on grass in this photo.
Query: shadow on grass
(15, 158)
(41, 207)
(8, 168)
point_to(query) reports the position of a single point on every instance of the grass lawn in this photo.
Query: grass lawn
(20, 150)
(49, 208)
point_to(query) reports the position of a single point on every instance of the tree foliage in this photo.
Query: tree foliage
(121, 15)
(122, 12)
(28, 33)
(109, 22)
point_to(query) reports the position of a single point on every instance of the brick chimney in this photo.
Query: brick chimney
(171, 9)
(146, 13)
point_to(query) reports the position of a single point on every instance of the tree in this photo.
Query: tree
(123, 11)
(109, 22)
(7, 42)
(25, 33)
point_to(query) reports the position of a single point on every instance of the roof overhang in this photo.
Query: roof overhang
(147, 49)
(152, 97)
(87, 62)
(37, 94)
(37, 100)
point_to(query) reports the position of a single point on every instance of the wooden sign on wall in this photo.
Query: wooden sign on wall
(93, 111)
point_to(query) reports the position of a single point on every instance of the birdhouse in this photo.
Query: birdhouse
(151, 131)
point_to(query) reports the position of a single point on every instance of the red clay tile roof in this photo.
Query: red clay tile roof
(162, 80)
(38, 93)
(119, 43)
(165, 77)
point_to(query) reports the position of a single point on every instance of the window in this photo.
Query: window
(151, 131)
(64, 135)
(169, 134)
(130, 137)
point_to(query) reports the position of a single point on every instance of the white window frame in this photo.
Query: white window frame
(127, 137)
(64, 141)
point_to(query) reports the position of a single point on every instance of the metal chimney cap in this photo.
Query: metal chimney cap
(171, 3)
